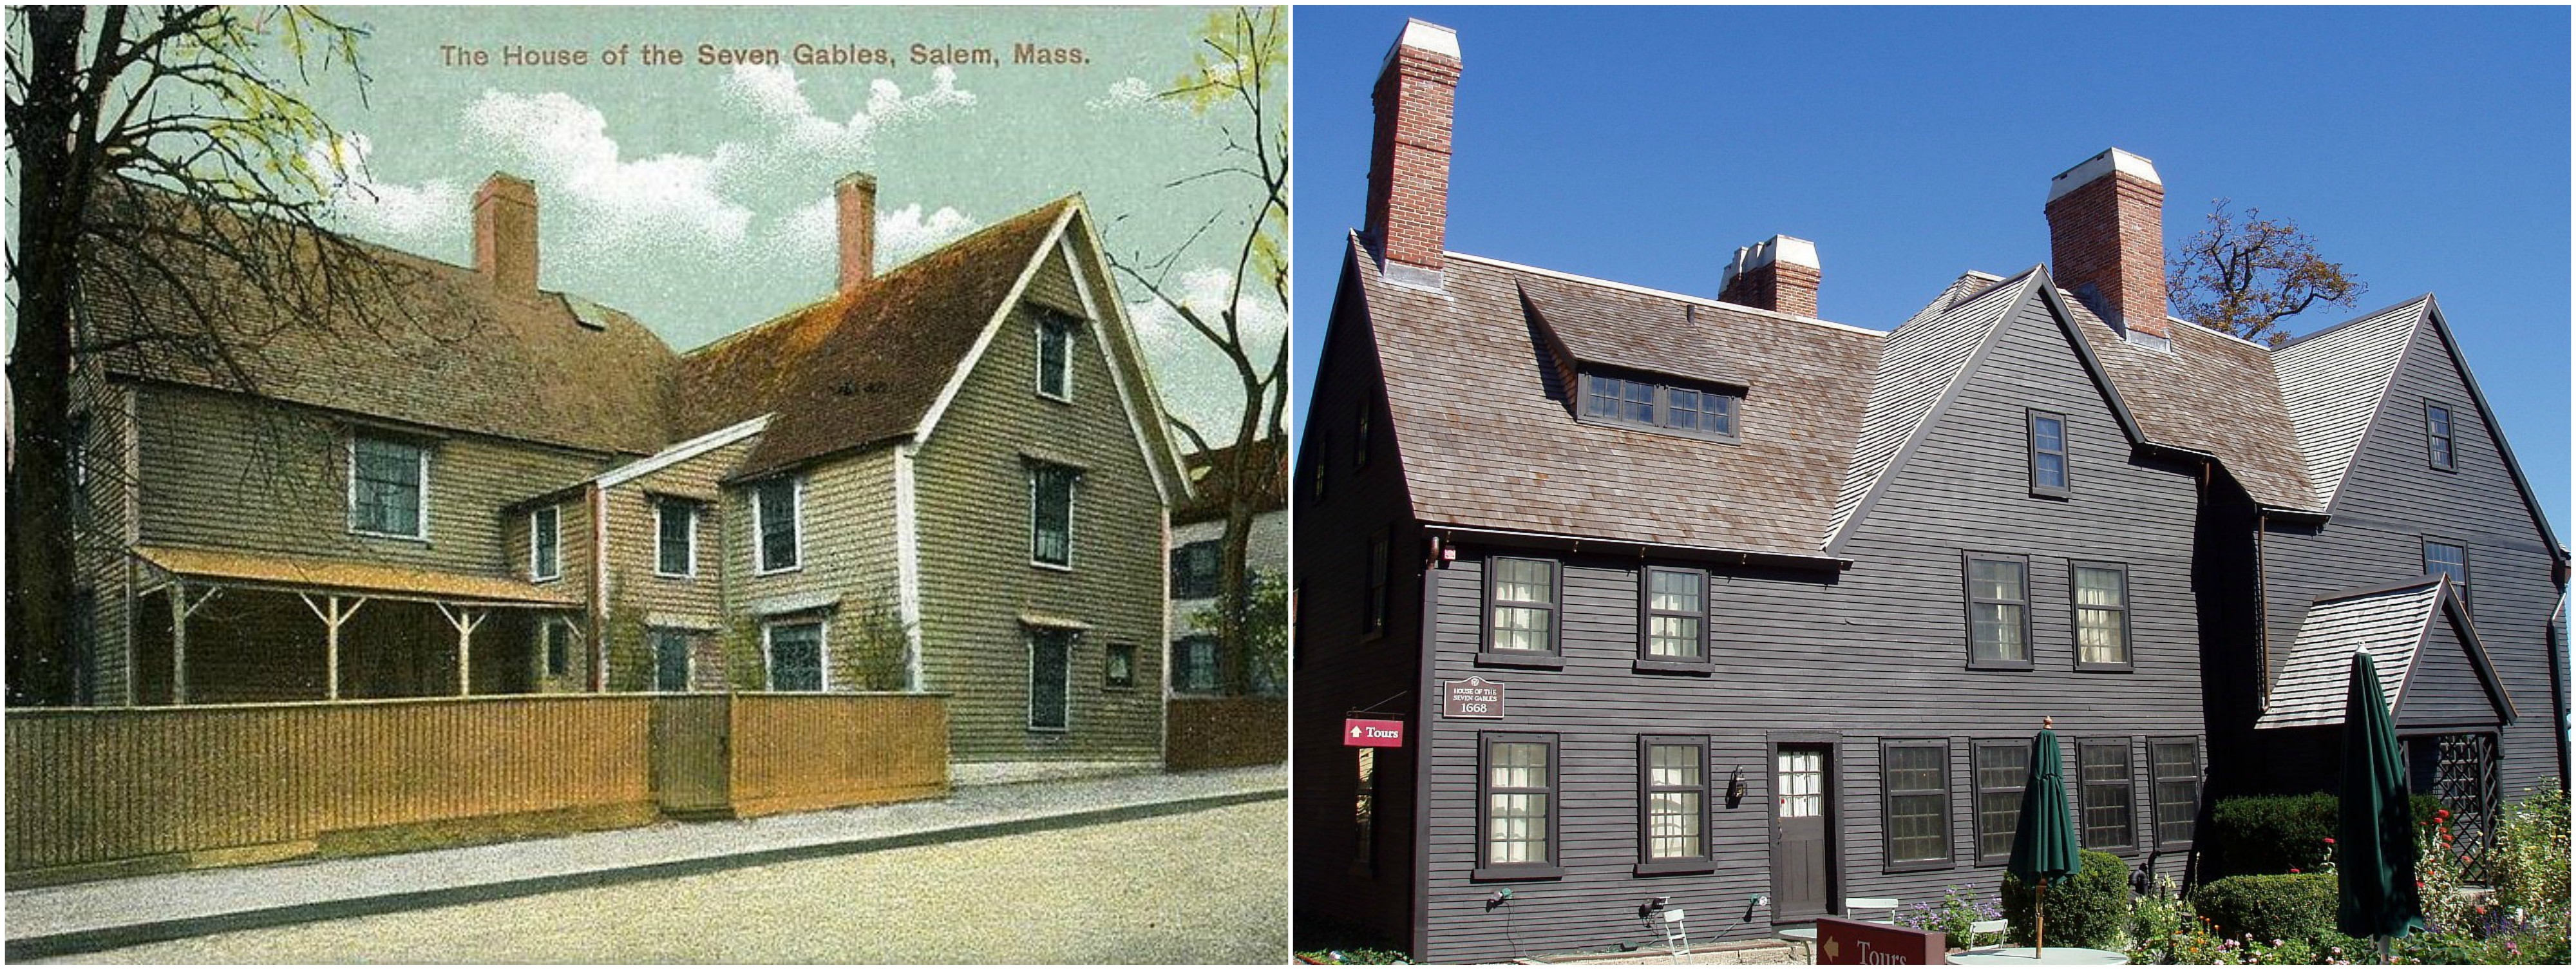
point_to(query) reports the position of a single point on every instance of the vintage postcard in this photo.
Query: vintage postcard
(673, 484)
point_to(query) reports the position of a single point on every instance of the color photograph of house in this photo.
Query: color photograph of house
(1643, 573)
(505, 427)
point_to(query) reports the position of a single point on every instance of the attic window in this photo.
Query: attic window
(1055, 356)
(2438, 441)
(1699, 412)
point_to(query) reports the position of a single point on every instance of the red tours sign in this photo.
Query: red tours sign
(1846, 941)
(1361, 732)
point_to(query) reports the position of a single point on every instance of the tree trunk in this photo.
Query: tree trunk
(1234, 574)
(50, 195)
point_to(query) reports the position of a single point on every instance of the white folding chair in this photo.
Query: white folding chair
(1676, 935)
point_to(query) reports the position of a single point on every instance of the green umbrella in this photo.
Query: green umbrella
(2044, 848)
(2375, 823)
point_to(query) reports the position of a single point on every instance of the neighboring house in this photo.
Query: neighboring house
(1774, 604)
(1198, 560)
(952, 477)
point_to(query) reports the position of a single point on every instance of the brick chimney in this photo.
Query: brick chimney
(1408, 200)
(505, 233)
(855, 198)
(2106, 240)
(1780, 273)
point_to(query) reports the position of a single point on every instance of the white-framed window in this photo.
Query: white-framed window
(1055, 355)
(1051, 514)
(675, 537)
(778, 524)
(792, 651)
(388, 487)
(545, 543)
(1051, 678)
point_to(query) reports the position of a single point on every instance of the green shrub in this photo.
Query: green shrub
(2091, 909)
(2531, 854)
(2280, 834)
(2285, 907)
(1960, 908)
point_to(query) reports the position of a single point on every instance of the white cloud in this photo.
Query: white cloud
(1197, 381)
(613, 204)
(901, 233)
(1131, 94)
(800, 139)
(413, 216)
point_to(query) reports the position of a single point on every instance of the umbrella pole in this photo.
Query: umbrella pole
(2383, 951)
(2039, 910)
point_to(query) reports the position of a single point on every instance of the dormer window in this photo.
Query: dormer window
(1700, 412)
(1055, 356)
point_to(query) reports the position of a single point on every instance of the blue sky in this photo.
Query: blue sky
(2425, 149)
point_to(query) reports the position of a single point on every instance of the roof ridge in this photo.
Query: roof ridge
(2425, 297)
(1666, 294)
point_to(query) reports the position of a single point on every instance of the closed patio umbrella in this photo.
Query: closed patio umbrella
(2374, 823)
(2043, 848)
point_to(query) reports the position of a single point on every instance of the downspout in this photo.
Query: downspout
(2262, 616)
(598, 588)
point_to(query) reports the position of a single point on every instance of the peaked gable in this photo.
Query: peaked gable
(2405, 628)
(2333, 382)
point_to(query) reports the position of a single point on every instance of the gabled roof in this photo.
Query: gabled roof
(2393, 624)
(2333, 382)
(1920, 367)
(1476, 396)
(433, 345)
(2212, 394)
(863, 366)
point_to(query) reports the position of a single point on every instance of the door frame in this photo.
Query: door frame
(1831, 741)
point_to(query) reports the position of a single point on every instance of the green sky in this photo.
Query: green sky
(693, 195)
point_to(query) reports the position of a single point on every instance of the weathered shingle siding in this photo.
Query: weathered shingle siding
(1337, 669)
(695, 603)
(1872, 655)
(101, 534)
(219, 471)
(977, 581)
(2391, 500)
(849, 551)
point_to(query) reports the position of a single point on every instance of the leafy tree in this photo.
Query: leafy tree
(172, 187)
(2244, 276)
(1240, 77)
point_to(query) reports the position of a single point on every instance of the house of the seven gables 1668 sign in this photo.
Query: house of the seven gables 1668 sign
(1472, 697)
(1362, 732)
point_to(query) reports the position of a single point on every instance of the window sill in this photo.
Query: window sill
(1059, 399)
(1676, 867)
(780, 571)
(1034, 729)
(1514, 872)
(1927, 865)
(1518, 658)
(1698, 667)
(658, 574)
(1999, 665)
(1052, 567)
(396, 536)
(1118, 688)
(545, 579)
(2061, 494)
(2086, 668)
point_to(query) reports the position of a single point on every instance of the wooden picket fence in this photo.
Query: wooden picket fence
(1225, 732)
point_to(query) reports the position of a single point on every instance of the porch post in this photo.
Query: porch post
(178, 641)
(466, 620)
(332, 617)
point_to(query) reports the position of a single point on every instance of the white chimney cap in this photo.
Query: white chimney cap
(2109, 161)
(1777, 249)
(1422, 35)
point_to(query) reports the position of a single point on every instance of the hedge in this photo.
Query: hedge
(2280, 834)
(2089, 910)
(2283, 907)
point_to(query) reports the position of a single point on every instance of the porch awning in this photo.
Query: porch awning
(305, 574)
(2431, 666)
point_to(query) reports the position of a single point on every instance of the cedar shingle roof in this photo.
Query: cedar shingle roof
(376, 579)
(2214, 394)
(1920, 364)
(863, 366)
(1477, 399)
(2391, 625)
(2333, 381)
(441, 348)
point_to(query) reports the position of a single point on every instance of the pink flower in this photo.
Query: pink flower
(2329, 841)
(2294, 870)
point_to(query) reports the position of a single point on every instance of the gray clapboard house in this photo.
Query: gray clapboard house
(951, 476)
(1774, 603)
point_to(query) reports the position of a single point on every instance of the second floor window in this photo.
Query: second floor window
(1055, 356)
(1051, 514)
(2448, 559)
(1998, 611)
(1523, 597)
(545, 543)
(1195, 568)
(777, 510)
(388, 482)
(2101, 615)
(1675, 614)
(675, 528)
(2437, 433)
(1692, 411)
(2048, 454)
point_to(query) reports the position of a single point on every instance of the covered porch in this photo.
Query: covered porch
(224, 627)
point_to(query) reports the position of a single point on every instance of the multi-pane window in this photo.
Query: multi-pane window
(1675, 782)
(1364, 815)
(1195, 568)
(1523, 597)
(1687, 410)
(2176, 764)
(1998, 610)
(1918, 802)
(1051, 514)
(1050, 678)
(675, 535)
(2437, 435)
(670, 658)
(2448, 559)
(1121, 666)
(387, 480)
(1194, 665)
(776, 514)
(1373, 594)
(2101, 615)
(2047, 453)
(557, 636)
(1676, 614)
(545, 543)
(1520, 800)
(1055, 355)
(2003, 767)
(2110, 809)
(1802, 783)
(795, 652)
